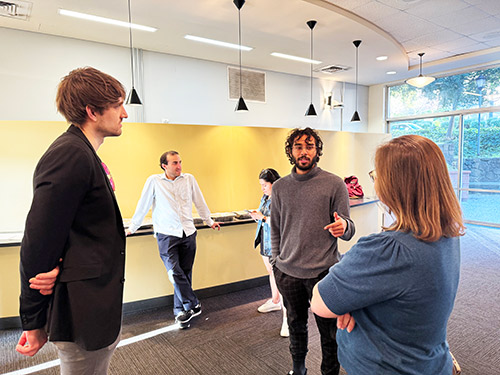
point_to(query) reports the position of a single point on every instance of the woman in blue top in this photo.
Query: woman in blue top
(394, 291)
(263, 237)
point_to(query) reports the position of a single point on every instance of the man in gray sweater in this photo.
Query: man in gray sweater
(310, 210)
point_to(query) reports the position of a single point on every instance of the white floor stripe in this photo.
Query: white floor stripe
(36, 368)
(130, 340)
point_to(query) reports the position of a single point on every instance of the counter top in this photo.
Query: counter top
(227, 219)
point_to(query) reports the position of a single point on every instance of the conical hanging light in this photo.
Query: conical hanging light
(421, 80)
(241, 106)
(310, 110)
(133, 97)
(355, 116)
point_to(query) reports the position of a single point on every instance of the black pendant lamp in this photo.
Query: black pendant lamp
(311, 111)
(355, 116)
(133, 97)
(241, 106)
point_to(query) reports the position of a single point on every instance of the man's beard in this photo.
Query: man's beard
(306, 167)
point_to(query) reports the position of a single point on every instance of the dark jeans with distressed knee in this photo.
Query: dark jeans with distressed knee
(297, 294)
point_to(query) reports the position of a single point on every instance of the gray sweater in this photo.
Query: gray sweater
(302, 206)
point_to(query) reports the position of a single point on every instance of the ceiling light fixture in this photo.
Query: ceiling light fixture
(217, 42)
(421, 80)
(295, 58)
(133, 97)
(390, 72)
(355, 116)
(241, 106)
(310, 110)
(382, 58)
(109, 21)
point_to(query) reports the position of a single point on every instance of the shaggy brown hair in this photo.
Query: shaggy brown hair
(84, 87)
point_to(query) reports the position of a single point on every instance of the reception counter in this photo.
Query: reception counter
(225, 261)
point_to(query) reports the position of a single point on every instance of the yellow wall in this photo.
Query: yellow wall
(226, 162)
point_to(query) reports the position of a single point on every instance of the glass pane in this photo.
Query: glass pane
(443, 131)
(463, 91)
(482, 207)
(481, 164)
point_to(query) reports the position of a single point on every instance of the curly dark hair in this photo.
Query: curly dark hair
(298, 133)
(269, 175)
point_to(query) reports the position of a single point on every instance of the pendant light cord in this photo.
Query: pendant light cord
(311, 65)
(239, 42)
(130, 40)
(357, 49)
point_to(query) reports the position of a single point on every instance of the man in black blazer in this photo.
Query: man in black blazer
(74, 216)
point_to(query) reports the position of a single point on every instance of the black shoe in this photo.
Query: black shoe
(195, 311)
(184, 325)
(184, 316)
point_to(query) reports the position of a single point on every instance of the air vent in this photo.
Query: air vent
(19, 10)
(332, 69)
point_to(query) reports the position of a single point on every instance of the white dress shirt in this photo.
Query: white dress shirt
(172, 204)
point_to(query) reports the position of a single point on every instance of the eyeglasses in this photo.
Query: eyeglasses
(301, 147)
(373, 175)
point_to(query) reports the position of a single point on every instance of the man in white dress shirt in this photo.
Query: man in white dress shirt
(171, 195)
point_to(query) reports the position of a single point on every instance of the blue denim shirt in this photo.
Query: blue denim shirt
(263, 233)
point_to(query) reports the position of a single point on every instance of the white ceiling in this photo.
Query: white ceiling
(454, 34)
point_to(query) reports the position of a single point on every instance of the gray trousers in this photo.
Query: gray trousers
(77, 361)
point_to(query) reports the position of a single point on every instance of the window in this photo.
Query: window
(451, 112)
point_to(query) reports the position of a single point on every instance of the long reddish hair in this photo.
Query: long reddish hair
(413, 181)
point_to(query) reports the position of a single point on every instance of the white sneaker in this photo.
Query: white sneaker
(284, 328)
(269, 306)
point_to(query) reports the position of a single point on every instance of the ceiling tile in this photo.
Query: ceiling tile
(490, 6)
(474, 27)
(451, 45)
(350, 4)
(487, 36)
(439, 8)
(469, 49)
(374, 11)
(431, 39)
(403, 4)
(468, 15)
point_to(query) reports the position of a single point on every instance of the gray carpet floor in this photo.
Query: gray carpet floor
(231, 337)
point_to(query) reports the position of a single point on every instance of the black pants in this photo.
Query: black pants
(297, 294)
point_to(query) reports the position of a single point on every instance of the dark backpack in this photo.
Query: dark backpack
(353, 187)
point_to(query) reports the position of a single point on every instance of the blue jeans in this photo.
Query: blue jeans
(178, 256)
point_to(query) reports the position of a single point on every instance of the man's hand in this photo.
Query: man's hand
(215, 225)
(45, 282)
(31, 342)
(346, 321)
(127, 232)
(338, 227)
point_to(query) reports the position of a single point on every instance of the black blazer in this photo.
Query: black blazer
(74, 216)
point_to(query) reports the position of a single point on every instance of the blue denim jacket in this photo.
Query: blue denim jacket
(263, 233)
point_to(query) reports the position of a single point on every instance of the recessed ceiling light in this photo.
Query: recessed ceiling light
(109, 21)
(295, 58)
(391, 72)
(217, 42)
(382, 58)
